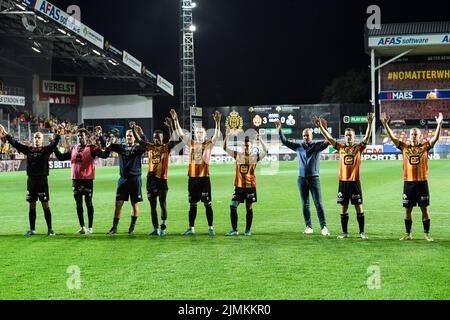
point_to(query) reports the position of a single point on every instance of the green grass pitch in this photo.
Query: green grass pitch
(278, 262)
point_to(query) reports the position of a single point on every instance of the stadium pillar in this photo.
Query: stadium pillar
(373, 101)
(39, 108)
(80, 105)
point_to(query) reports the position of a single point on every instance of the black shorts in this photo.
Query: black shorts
(129, 189)
(200, 190)
(242, 195)
(154, 186)
(37, 188)
(416, 194)
(83, 188)
(350, 191)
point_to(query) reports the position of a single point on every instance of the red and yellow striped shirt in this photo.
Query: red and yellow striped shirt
(200, 158)
(415, 161)
(158, 161)
(350, 161)
(245, 170)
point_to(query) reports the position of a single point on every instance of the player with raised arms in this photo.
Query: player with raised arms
(199, 176)
(349, 180)
(415, 172)
(158, 172)
(245, 181)
(37, 172)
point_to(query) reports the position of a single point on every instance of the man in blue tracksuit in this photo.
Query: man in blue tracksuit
(308, 154)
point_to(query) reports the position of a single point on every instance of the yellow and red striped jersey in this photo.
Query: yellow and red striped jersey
(158, 160)
(245, 170)
(200, 158)
(415, 161)
(350, 161)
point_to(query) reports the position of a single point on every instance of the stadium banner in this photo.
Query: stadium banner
(12, 100)
(29, 3)
(59, 92)
(415, 40)
(66, 20)
(132, 62)
(165, 85)
(414, 95)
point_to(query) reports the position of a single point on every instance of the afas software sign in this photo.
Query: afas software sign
(415, 40)
(69, 22)
(59, 92)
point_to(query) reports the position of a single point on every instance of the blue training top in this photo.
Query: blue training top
(308, 156)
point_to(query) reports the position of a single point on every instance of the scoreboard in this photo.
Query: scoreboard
(294, 118)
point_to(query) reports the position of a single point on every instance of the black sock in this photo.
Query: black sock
(344, 222)
(163, 227)
(80, 214)
(249, 219)
(48, 218)
(91, 216)
(234, 218)
(426, 226)
(133, 221)
(32, 218)
(192, 215)
(209, 215)
(408, 226)
(361, 221)
(116, 223)
(155, 221)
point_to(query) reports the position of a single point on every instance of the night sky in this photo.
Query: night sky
(250, 52)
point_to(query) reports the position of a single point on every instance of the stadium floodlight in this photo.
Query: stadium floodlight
(96, 52)
(113, 62)
(61, 30)
(21, 7)
(193, 5)
(36, 49)
(42, 19)
(192, 28)
(80, 42)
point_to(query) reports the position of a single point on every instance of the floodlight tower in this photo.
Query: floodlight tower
(188, 91)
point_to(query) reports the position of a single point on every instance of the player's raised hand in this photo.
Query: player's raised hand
(138, 130)
(168, 123)
(217, 116)
(278, 125)
(132, 124)
(440, 119)
(316, 121)
(174, 115)
(384, 119)
(370, 118)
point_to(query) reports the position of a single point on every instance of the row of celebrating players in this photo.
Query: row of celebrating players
(83, 156)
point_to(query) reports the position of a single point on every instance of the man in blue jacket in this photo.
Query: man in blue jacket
(308, 154)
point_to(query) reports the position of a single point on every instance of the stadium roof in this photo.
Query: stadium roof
(422, 38)
(39, 38)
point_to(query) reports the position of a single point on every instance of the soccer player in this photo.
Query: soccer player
(82, 156)
(199, 176)
(415, 168)
(349, 182)
(130, 182)
(245, 182)
(37, 172)
(158, 161)
(308, 154)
